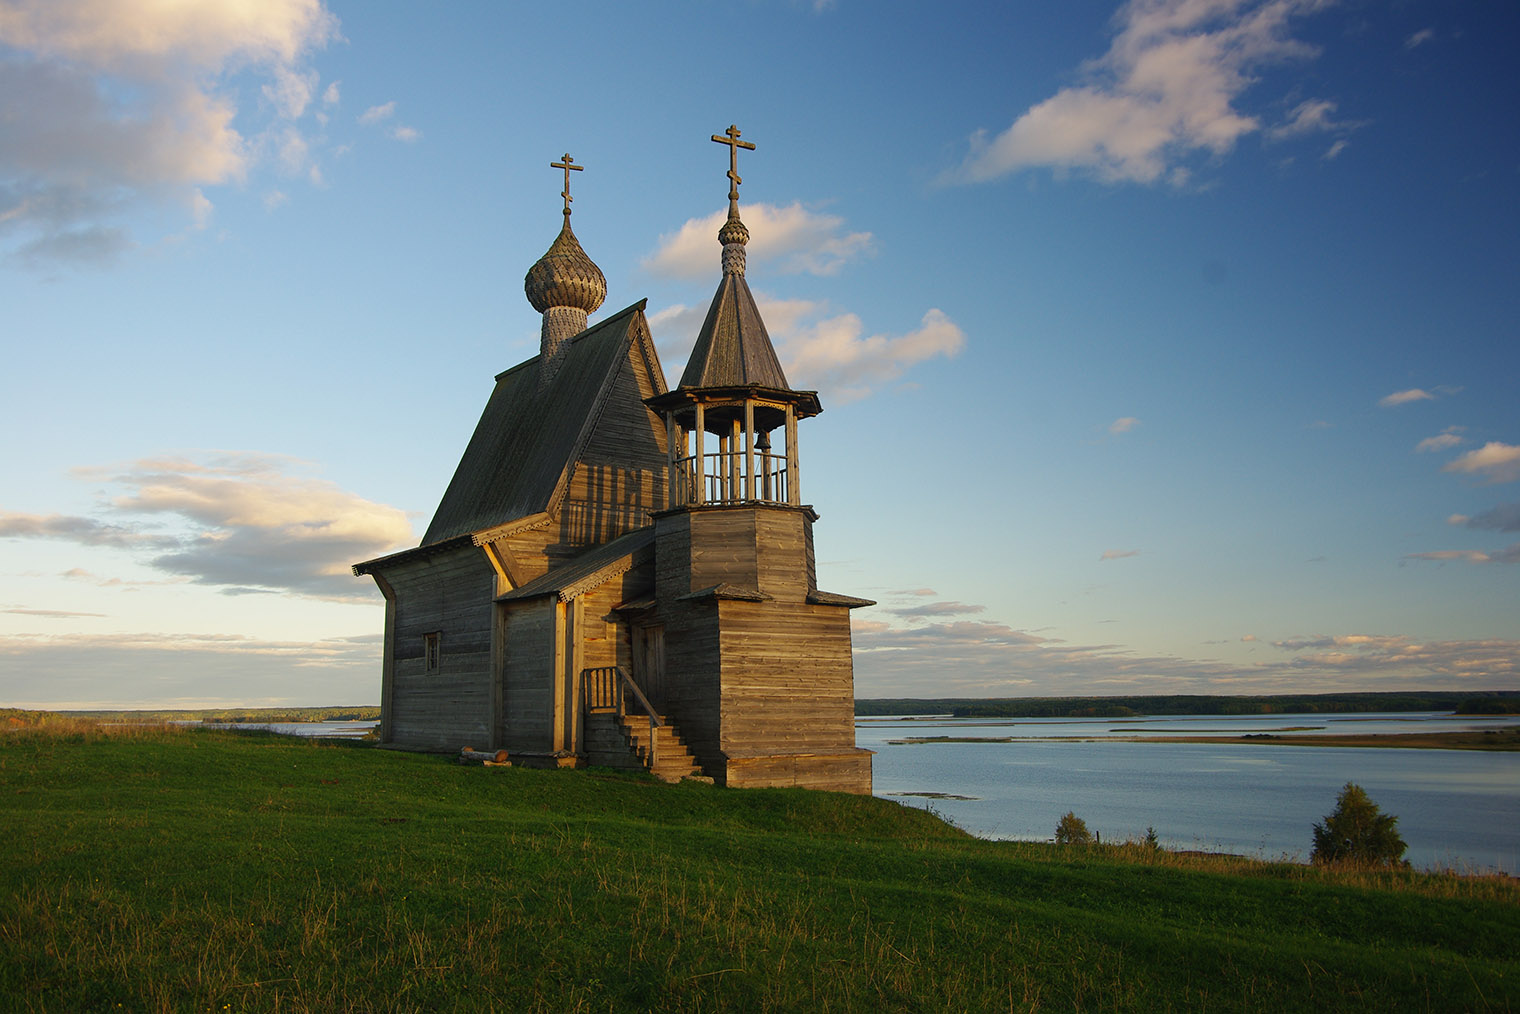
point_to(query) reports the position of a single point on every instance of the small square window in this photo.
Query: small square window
(430, 651)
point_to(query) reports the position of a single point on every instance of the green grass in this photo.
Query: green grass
(208, 871)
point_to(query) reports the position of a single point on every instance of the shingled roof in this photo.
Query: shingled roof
(733, 349)
(519, 460)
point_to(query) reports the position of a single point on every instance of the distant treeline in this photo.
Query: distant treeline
(353, 713)
(1494, 702)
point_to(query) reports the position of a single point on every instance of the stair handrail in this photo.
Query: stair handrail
(619, 701)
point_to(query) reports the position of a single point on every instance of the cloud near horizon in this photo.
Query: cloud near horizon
(241, 522)
(88, 671)
(107, 105)
(987, 658)
(1164, 93)
(1510, 554)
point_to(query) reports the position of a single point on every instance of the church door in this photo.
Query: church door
(649, 661)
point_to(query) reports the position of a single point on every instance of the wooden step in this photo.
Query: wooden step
(622, 741)
(675, 760)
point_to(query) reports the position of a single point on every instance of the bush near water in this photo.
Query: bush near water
(151, 869)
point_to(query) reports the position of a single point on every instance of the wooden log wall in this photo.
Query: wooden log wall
(765, 549)
(849, 771)
(788, 682)
(448, 594)
(528, 675)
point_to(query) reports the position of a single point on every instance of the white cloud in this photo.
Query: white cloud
(1334, 151)
(1308, 117)
(1398, 655)
(240, 521)
(52, 614)
(291, 91)
(330, 97)
(937, 609)
(274, 199)
(200, 209)
(792, 239)
(1118, 554)
(1123, 424)
(1449, 437)
(85, 531)
(1405, 397)
(104, 105)
(293, 151)
(1495, 461)
(189, 670)
(407, 134)
(1419, 38)
(377, 114)
(830, 354)
(987, 658)
(1165, 90)
(1510, 554)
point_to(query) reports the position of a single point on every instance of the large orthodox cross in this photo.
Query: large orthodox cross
(567, 165)
(730, 137)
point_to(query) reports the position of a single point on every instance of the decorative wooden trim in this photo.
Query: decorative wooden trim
(526, 523)
(370, 567)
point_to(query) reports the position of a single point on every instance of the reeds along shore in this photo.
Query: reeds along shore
(181, 869)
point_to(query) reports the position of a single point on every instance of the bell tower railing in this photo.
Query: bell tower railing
(744, 468)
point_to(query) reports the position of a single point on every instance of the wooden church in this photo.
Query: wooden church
(621, 573)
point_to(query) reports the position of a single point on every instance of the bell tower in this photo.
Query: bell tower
(759, 668)
(734, 395)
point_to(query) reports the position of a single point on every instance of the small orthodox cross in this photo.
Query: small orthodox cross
(567, 165)
(730, 137)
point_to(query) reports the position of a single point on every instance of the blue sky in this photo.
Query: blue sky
(1164, 346)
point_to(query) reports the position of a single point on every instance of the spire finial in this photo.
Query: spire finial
(730, 137)
(567, 165)
(733, 235)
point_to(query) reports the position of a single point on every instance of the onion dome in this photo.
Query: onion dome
(565, 276)
(734, 230)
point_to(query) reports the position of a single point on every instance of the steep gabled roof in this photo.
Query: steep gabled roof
(733, 349)
(527, 441)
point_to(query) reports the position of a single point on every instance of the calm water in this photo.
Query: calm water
(1457, 808)
(323, 730)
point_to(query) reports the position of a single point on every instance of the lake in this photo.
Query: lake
(1457, 809)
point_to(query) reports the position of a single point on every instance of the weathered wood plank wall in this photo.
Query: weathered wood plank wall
(528, 675)
(448, 594)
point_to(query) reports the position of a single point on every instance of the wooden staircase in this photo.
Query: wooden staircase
(616, 737)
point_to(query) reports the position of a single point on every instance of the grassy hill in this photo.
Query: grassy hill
(200, 870)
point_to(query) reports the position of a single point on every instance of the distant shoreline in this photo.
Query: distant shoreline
(1473, 702)
(1507, 740)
